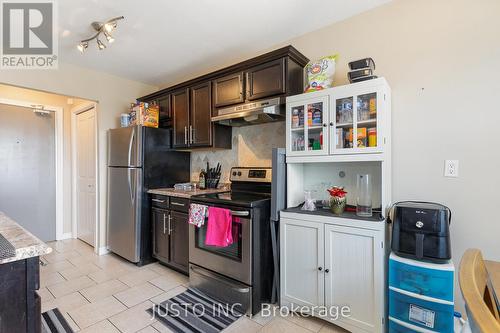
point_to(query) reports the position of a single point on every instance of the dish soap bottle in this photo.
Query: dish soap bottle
(202, 182)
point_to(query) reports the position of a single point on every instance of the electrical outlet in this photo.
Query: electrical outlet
(451, 168)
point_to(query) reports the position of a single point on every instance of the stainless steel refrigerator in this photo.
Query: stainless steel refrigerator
(139, 159)
(278, 203)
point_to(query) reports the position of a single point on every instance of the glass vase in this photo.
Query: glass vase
(364, 195)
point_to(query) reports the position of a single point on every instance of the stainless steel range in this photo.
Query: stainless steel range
(242, 272)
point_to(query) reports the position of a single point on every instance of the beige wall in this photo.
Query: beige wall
(112, 93)
(441, 58)
(252, 146)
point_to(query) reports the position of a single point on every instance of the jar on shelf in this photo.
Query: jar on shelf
(372, 137)
(295, 118)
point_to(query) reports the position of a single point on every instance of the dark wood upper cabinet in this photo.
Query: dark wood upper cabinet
(200, 127)
(266, 80)
(165, 111)
(179, 244)
(228, 90)
(180, 115)
(189, 105)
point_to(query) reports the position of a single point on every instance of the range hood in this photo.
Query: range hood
(263, 111)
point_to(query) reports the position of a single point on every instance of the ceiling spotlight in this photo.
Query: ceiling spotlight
(109, 38)
(83, 46)
(104, 28)
(110, 26)
(100, 44)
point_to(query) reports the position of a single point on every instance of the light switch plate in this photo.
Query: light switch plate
(451, 168)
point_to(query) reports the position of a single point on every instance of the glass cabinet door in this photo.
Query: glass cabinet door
(297, 130)
(356, 123)
(367, 121)
(344, 123)
(308, 127)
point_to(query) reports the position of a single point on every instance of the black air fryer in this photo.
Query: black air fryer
(421, 231)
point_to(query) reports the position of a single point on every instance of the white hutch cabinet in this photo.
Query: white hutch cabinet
(328, 260)
(351, 119)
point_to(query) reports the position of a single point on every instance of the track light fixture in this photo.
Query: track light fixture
(104, 28)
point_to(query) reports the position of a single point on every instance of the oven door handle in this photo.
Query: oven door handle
(240, 213)
(241, 290)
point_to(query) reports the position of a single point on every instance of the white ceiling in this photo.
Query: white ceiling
(164, 41)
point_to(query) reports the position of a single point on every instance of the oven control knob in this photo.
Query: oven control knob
(234, 173)
(239, 173)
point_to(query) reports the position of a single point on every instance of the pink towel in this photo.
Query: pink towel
(219, 227)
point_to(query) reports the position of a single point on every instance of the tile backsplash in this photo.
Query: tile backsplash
(252, 147)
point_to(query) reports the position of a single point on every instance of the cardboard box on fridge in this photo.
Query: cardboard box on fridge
(145, 114)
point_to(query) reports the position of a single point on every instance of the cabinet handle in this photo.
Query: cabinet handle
(327, 270)
(177, 204)
(320, 268)
(324, 125)
(158, 200)
(247, 88)
(164, 227)
(191, 136)
(169, 223)
(331, 124)
(185, 135)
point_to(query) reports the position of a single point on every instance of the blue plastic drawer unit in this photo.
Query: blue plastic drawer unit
(422, 278)
(433, 316)
(400, 327)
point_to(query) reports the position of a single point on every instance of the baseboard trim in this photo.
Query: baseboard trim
(102, 250)
(67, 235)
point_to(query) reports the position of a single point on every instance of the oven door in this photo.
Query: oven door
(233, 261)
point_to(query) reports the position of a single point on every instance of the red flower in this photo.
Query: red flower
(337, 192)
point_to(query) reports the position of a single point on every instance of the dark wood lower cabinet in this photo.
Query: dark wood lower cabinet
(171, 238)
(179, 240)
(161, 246)
(20, 304)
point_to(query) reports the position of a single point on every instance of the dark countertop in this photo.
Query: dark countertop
(377, 217)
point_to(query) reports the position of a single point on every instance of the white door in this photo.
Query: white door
(86, 175)
(353, 275)
(302, 252)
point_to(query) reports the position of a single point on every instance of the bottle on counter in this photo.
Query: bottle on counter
(203, 180)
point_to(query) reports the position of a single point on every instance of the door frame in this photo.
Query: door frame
(74, 112)
(59, 158)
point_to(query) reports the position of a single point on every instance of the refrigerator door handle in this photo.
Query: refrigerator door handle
(130, 145)
(131, 186)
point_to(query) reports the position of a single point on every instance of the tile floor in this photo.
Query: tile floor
(108, 294)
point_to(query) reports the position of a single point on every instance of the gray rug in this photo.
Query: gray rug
(193, 311)
(54, 322)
